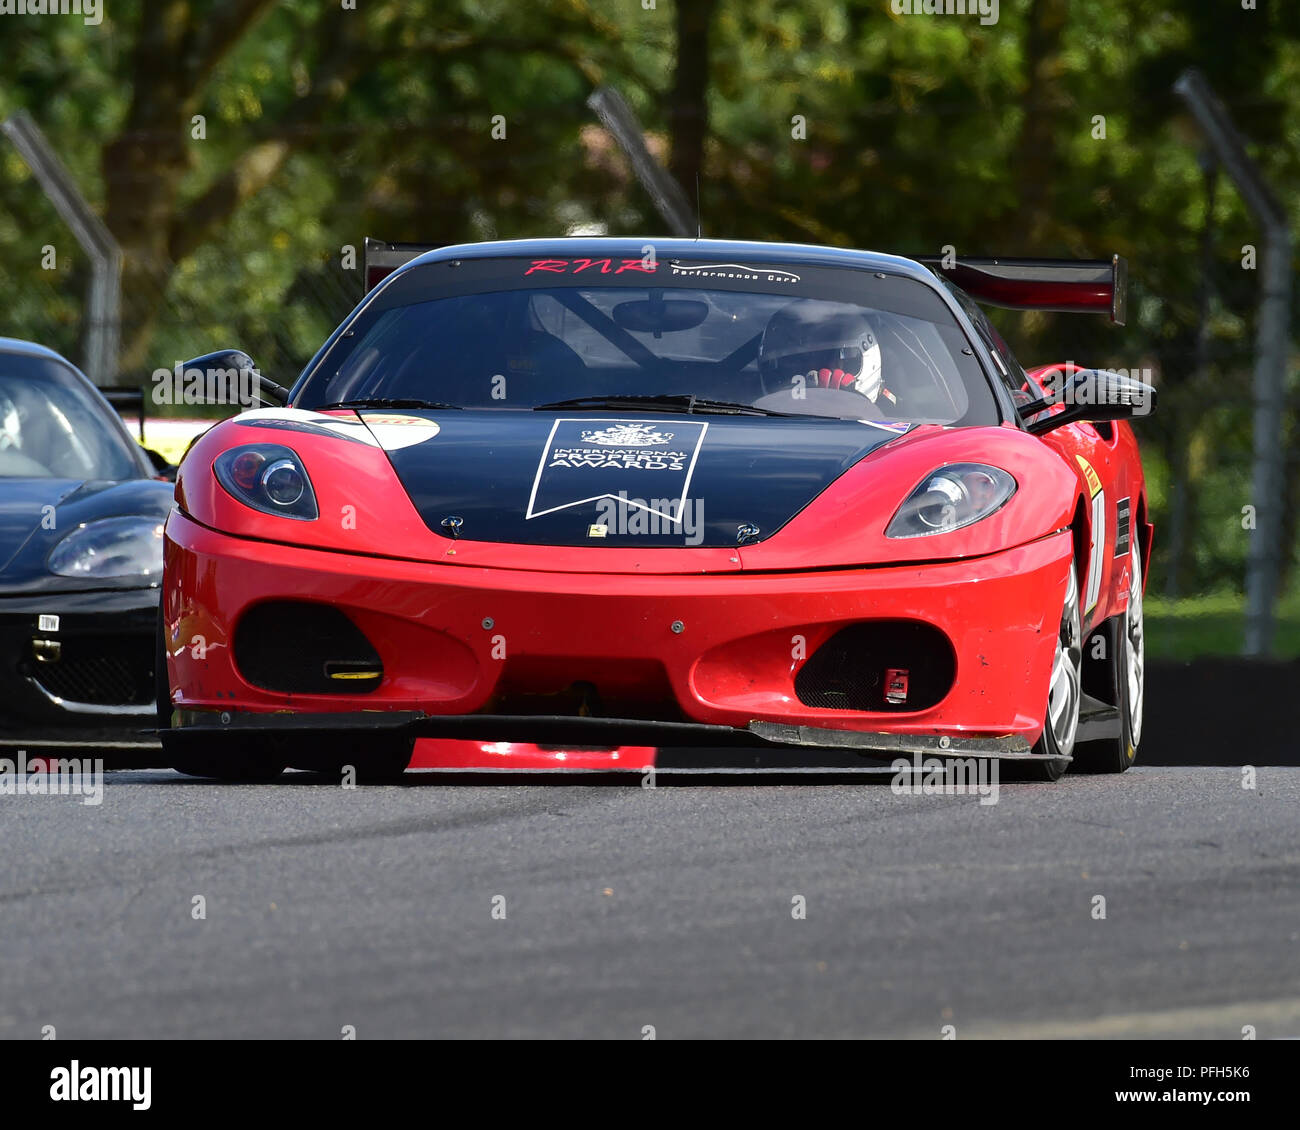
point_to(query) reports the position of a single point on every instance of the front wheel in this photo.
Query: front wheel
(1064, 696)
(251, 762)
(252, 765)
(376, 760)
(1122, 683)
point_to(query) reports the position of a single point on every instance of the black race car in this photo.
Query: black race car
(81, 513)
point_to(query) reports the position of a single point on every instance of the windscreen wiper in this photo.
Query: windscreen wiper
(675, 402)
(386, 402)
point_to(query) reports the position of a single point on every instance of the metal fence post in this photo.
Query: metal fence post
(1272, 340)
(103, 316)
(667, 194)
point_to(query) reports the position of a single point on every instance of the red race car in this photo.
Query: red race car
(603, 492)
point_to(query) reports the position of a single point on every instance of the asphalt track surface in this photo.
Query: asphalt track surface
(669, 907)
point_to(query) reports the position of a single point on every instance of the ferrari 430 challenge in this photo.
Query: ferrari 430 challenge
(682, 493)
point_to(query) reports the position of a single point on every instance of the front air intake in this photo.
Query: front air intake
(296, 647)
(885, 665)
(95, 670)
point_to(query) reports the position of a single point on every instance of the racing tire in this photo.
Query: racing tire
(255, 763)
(373, 761)
(1064, 698)
(1121, 682)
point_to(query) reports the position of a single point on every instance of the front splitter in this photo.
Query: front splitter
(602, 733)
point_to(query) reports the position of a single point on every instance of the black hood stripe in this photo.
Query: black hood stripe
(621, 479)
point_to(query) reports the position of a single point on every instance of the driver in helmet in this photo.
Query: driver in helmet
(826, 345)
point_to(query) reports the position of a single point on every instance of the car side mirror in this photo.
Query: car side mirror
(1088, 394)
(230, 365)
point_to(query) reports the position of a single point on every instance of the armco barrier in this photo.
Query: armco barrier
(1222, 712)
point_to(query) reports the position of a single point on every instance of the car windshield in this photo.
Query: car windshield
(51, 427)
(519, 334)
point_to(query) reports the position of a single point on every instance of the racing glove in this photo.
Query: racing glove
(830, 378)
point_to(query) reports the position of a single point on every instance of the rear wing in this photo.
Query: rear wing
(382, 258)
(1072, 286)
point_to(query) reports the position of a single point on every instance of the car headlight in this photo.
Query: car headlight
(111, 547)
(269, 478)
(949, 498)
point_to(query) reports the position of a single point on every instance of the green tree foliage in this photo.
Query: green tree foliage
(832, 121)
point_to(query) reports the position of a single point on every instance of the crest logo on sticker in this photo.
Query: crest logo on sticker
(628, 435)
(580, 464)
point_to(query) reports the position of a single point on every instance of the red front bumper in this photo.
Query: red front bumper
(716, 649)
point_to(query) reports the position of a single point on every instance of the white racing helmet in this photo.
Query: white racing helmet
(829, 344)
